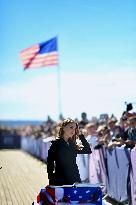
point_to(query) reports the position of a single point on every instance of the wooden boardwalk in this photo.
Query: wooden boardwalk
(21, 177)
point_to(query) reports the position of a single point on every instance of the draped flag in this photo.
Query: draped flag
(40, 55)
(70, 195)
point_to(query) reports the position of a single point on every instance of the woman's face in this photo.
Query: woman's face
(69, 130)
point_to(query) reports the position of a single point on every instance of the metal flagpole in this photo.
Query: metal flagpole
(59, 85)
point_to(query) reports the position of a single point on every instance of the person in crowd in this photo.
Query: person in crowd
(130, 133)
(112, 126)
(91, 135)
(102, 122)
(84, 120)
(104, 136)
(61, 117)
(123, 126)
(61, 162)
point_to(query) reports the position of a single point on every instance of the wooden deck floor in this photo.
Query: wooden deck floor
(21, 177)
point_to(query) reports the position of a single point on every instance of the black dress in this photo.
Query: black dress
(61, 162)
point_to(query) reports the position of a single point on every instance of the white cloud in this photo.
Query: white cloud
(94, 93)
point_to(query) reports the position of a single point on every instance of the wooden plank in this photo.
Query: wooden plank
(21, 177)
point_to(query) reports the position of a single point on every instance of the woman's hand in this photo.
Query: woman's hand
(79, 144)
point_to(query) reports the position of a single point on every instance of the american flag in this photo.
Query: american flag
(80, 195)
(40, 55)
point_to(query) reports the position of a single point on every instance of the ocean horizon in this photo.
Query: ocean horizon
(17, 123)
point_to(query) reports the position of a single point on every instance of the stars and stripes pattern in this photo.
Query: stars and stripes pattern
(79, 195)
(40, 55)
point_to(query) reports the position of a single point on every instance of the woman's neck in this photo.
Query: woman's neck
(65, 137)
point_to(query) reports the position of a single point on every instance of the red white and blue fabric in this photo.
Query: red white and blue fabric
(40, 55)
(70, 195)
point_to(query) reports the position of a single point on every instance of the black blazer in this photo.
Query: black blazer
(61, 162)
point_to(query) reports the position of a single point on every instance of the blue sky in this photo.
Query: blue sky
(97, 50)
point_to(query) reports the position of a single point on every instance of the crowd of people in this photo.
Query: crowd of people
(112, 132)
(107, 130)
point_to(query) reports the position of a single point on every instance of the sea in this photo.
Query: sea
(17, 123)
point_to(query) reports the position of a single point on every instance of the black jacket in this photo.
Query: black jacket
(61, 162)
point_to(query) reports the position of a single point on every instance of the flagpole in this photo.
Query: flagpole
(47, 47)
(59, 90)
(59, 86)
